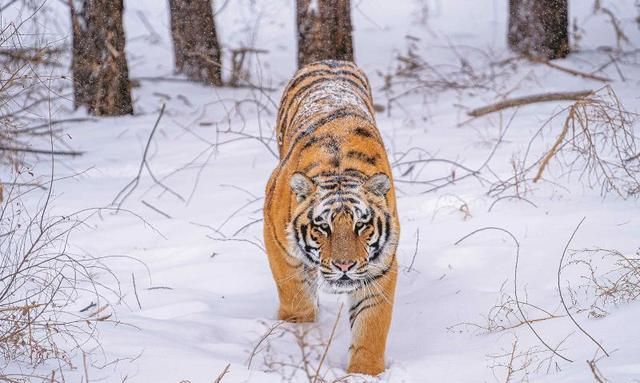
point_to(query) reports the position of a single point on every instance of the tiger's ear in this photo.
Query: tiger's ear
(301, 185)
(378, 184)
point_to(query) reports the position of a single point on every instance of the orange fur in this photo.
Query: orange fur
(326, 126)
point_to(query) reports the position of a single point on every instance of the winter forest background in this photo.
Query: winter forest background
(136, 138)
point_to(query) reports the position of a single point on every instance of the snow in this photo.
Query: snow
(212, 297)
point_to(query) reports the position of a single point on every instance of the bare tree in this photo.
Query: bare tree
(324, 30)
(196, 47)
(539, 28)
(100, 70)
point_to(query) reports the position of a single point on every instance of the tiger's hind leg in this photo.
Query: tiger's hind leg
(295, 282)
(370, 318)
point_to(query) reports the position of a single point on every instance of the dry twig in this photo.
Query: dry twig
(222, 374)
(562, 300)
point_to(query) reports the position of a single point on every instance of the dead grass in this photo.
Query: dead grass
(308, 361)
(597, 144)
(609, 278)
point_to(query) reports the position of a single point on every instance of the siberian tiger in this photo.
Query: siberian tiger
(330, 217)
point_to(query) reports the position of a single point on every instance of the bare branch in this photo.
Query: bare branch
(526, 100)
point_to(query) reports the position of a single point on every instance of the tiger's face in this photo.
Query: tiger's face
(342, 227)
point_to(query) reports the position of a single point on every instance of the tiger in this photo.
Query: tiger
(330, 219)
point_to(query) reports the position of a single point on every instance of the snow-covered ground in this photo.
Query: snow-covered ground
(206, 295)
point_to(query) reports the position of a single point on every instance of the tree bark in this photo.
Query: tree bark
(324, 30)
(539, 28)
(196, 48)
(99, 64)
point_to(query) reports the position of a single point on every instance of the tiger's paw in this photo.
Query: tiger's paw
(304, 316)
(367, 367)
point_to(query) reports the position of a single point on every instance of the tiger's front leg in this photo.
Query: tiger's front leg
(295, 283)
(370, 318)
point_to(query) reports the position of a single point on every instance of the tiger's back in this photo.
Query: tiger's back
(326, 124)
(319, 93)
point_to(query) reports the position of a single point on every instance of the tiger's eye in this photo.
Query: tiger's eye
(359, 225)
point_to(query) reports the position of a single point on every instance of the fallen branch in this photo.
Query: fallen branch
(526, 100)
(556, 146)
(41, 151)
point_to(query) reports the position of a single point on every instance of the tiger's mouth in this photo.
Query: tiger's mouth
(344, 284)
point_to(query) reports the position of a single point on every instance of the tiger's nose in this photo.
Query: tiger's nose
(344, 265)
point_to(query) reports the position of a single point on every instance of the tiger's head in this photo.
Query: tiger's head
(343, 227)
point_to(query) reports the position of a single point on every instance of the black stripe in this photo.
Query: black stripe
(283, 248)
(354, 316)
(327, 141)
(341, 199)
(312, 141)
(329, 186)
(340, 113)
(382, 231)
(339, 192)
(313, 261)
(362, 132)
(382, 273)
(303, 228)
(296, 235)
(352, 170)
(305, 235)
(354, 173)
(352, 176)
(319, 72)
(363, 157)
(326, 232)
(325, 211)
(387, 233)
(331, 144)
(310, 167)
(355, 307)
(333, 185)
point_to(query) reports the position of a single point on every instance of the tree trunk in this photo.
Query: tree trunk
(324, 30)
(195, 42)
(539, 28)
(99, 64)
